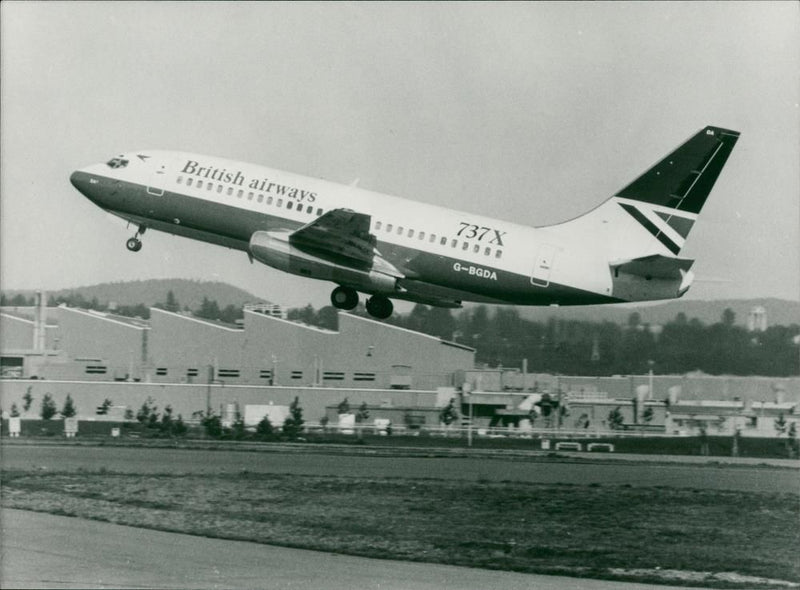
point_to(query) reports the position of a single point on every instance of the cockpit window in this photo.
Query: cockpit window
(120, 162)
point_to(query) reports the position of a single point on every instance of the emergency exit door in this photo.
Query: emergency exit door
(544, 265)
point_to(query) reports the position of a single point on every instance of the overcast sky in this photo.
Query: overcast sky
(528, 112)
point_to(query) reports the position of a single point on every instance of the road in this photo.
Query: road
(46, 551)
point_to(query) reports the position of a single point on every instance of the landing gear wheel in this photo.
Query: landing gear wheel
(344, 298)
(134, 244)
(379, 307)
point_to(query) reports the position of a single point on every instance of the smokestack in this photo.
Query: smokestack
(40, 322)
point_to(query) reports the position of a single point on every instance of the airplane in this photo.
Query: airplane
(626, 249)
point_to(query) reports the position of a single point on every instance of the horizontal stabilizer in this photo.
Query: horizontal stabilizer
(655, 267)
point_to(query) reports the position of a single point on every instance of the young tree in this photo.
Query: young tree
(102, 409)
(343, 407)
(68, 411)
(647, 415)
(780, 424)
(293, 425)
(264, 429)
(449, 414)
(48, 407)
(615, 419)
(27, 400)
(212, 424)
(172, 302)
(148, 413)
(362, 415)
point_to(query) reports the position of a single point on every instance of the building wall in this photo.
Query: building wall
(85, 335)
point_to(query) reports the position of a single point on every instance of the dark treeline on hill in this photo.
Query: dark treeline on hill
(575, 347)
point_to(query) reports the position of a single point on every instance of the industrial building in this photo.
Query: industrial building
(66, 343)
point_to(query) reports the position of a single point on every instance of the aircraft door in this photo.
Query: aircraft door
(543, 266)
(155, 186)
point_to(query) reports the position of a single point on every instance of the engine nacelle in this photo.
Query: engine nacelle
(275, 250)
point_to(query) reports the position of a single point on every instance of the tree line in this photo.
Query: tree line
(502, 338)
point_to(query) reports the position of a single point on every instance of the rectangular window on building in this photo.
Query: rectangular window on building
(95, 369)
(161, 371)
(228, 373)
(265, 374)
(363, 376)
(333, 376)
(297, 374)
(192, 372)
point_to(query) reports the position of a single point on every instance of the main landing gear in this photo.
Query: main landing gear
(378, 306)
(134, 244)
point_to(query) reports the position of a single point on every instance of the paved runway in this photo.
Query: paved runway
(153, 460)
(46, 551)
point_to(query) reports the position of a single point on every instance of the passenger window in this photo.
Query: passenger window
(240, 193)
(422, 235)
(279, 203)
(476, 248)
(289, 204)
(269, 200)
(219, 188)
(209, 186)
(498, 254)
(309, 209)
(180, 180)
(260, 198)
(411, 233)
(454, 243)
(199, 184)
(432, 238)
(188, 182)
(465, 246)
(443, 241)
(319, 212)
(399, 230)
(388, 227)
(487, 251)
(377, 225)
(230, 191)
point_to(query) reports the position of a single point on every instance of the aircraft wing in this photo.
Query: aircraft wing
(655, 266)
(339, 233)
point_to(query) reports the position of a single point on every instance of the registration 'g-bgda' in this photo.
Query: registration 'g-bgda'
(626, 249)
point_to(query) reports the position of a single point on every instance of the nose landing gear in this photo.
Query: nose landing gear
(134, 244)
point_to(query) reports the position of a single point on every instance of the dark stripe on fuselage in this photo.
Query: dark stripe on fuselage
(232, 226)
(651, 227)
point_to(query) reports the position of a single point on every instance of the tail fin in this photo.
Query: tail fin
(685, 177)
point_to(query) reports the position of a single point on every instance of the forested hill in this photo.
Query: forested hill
(188, 293)
(780, 312)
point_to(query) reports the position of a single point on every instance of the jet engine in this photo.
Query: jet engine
(274, 248)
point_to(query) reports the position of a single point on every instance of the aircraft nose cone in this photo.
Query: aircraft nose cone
(78, 180)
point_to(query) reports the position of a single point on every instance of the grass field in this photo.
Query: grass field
(651, 534)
